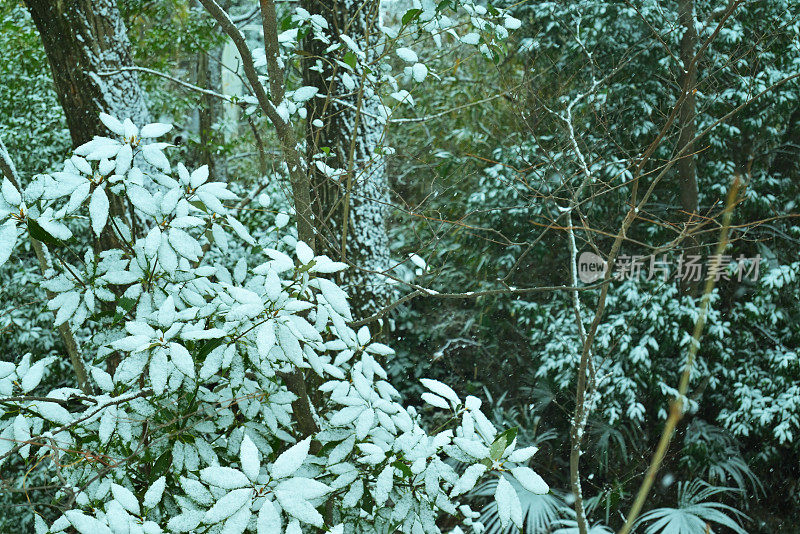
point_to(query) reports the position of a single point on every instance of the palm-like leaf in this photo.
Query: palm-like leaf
(714, 451)
(694, 512)
(608, 438)
(570, 526)
(539, 512)
(732, 467)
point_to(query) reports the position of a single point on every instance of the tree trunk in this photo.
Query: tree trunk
(787, 158)
(350, 211)
(83, 39)
(687, 166)
(205, 112)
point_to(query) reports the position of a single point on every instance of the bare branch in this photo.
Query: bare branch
(187, 85)
(301, 190)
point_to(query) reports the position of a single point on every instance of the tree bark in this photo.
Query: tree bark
(350, 211)
(82, 39)
(687, 168)
(687, 119)
(206, 112)
(787, 159)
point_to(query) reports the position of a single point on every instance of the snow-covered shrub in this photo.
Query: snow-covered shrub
(201, 363)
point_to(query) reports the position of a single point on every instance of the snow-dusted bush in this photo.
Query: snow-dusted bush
(189, 422)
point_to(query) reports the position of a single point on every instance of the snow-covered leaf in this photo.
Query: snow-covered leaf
(304, 93)
(441, 389)
(508, 505)
(86, 524)
(69, 304)
(304, 253)
(182, 359)
(407, 55)
(530, 480)
(155, 157)
(155, 129)
(98, 210)
(224, 477)
(153, 495)
(269, 520)
(33, 377)
(240, 230)
(522, 455)
(126, 498)
(124, 160)
(114, 125)
(511, 23)
(291, 459)
(199, 176)
(472, 447)
(142, 199)
(305, 488)
(435, 400)
(299, 508)
(250, 458)
(335, 297)
(468, 480)
(10, 193)
(8, 238)
(228, 505)
(383, 485)
(108, 423)
(419, 71)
